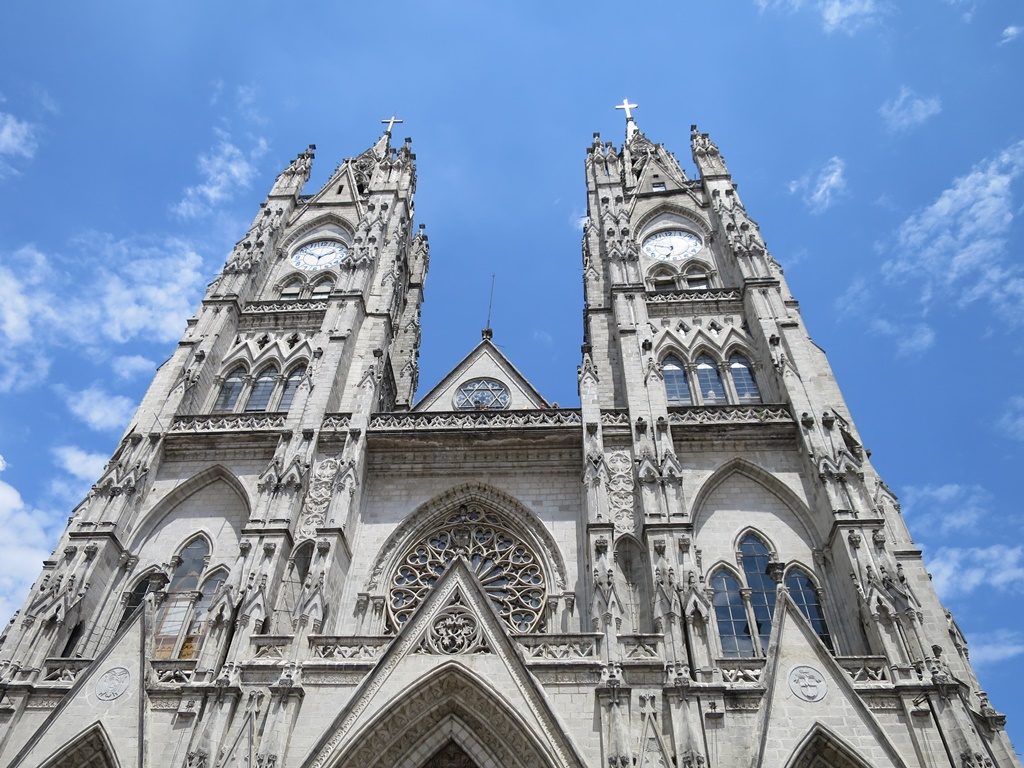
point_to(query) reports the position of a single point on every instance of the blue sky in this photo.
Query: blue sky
(879, 144)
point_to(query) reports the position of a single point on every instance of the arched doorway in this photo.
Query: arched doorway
(823, 749)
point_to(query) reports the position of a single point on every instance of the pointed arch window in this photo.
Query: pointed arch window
(291, 386)
(731, 615)
(696, 278)
(199, 624)
(292, 289)
(230, 390)
(663, 280)
(291, 588)
(174, 611)
(677, 384)
(805, 595)
(323, 289)
(709, 382)
(756, 556)
(135, 598)
(743, 379)
(262, 389)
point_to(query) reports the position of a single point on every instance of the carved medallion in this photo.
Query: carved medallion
(112, 683)
(620, 491)
(807, 683)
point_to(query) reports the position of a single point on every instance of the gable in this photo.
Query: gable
(485, 362)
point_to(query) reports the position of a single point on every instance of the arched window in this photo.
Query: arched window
(731, 615)
(756, 556)
(291, 386)
(323, 289)
(696, 278)
(292, 289)
(134, 599)
(262, 389)
(743, 379)
(230, 390)
(631, 581)
(712, 391)
(198, 625)
(291, 588)
(802, 590)
(663, 281)
(174, 610)
(677, 387)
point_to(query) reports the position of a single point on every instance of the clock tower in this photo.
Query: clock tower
(291, 560)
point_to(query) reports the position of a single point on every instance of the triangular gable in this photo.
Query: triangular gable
(805, 685)
(484, 361)
(110, 690)
(479, 665)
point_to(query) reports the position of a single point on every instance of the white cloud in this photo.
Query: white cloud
(17, 137)
(3, 463)
(26, 539)
(100, 409)
(1012, 420)
(908, 110)
(955, 248)
(945, 508)
(132, 366)
(847, 16)
(225, 170)
(959, 571)
(80, 464)
(821, 192)
(993, 647)
(1010, 34)
(911, 339)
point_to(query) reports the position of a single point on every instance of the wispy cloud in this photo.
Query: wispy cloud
(18, 139)
(912, 339)
(132, 366)
(1011, 422)
(1010, 34)
(908, 110)
(99, 409)
(225, 169)
(820, 190)
(846, 16)
(945, 508)
(959, 571)
(954, 250)
(993, 647)
(79, 463)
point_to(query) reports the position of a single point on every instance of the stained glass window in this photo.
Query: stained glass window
(482, 395)
(731, 615)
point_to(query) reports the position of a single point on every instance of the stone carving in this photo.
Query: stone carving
(560, 651)
(697, 294)
(509, 571)
(807, 683)
(112, 683)
(318, 498)
(620, 491)
(730, 414)
(336, 422)
(291, 305)
(400, 422)
(229, 422)
(455, 630)
(348, 651)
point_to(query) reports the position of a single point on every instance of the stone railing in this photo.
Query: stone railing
(228, 422)
(741, 671)
(63, 670)
(640, 647)
(615, 418)
(349, 648)
(286, 305)
(866, 669)
(482, 420)
(335, 422)
(729, 414)
(555, 648)
(271, 647)
(694, 295)
(173, 671)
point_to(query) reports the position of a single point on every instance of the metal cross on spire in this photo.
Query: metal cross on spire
(390, 121)
(625, 105)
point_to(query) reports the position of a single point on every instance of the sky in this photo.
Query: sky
(879, 144)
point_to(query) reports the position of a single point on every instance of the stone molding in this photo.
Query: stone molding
(471, 420)
(729, 414)
(228, 422)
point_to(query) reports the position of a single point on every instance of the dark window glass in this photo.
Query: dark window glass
(677, 388)
(230, 390)
(262, 389)
(711, 388)
(802, 590)
(198, 625)
(323, 288)
(762, 587)
(292, 290)
(731, 615)
(135, 598)
(743, 380)
(291, 386)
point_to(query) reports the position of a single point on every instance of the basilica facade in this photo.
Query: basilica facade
(291, 560)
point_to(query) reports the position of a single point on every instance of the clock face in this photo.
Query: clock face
(320, 254)
(673, 244)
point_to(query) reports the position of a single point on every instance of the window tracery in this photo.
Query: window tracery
(805, 595)
(677, 384)
(482, 395)
(181, 617)
(731, 615)
(510, 572)
(756, 556)
(743, 379)
(230, 390)
(709, 382)
(262, 390)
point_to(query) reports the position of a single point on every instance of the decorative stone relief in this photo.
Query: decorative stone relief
(620, 491)
(455, 630)
(112, 683)
(314, 512)
(807, 683)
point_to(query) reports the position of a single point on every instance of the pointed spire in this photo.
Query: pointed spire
(706, 156)
(292, 178)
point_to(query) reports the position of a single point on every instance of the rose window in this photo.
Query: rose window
(506, 566)
(482, 395)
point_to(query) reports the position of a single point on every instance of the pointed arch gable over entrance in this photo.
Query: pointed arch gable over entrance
(89, 749)
(823, 749)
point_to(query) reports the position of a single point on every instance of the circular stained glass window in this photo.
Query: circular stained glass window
(482, 395)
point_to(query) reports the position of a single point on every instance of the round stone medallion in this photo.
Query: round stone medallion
(112, 683)
(807, 683)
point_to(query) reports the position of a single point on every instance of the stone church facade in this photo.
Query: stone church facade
(291, 561)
